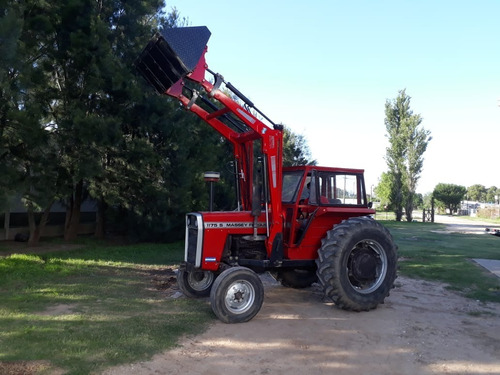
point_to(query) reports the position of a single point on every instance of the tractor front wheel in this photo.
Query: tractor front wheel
(195, 283)
(237, 295)
(357, 264)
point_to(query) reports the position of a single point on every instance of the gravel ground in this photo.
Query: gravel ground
(423, 328)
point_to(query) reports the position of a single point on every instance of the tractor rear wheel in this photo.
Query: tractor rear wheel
(297, 278)
(237, 295)
(357, 264)
(195, 283)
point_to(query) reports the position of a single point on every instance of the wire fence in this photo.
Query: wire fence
(388, 215)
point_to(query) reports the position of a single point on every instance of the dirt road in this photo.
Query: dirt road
(421, 329)
(463, 225)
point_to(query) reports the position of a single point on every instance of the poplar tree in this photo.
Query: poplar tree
(404, 156)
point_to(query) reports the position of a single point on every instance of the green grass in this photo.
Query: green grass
(111, 312)
(447, 257)
(483, 219)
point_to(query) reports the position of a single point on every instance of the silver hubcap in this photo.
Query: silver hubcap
(240, 297)
(200, 280)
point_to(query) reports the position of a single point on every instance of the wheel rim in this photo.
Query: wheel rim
(366, 266)
(240, 297)
(201, 280)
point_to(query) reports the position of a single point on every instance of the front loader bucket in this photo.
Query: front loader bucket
(171, 55)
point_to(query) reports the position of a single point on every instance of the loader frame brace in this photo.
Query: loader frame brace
(169, 67)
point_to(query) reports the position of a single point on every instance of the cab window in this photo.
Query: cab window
(340, 189)
(291, 184)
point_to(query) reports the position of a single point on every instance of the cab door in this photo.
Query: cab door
(297, 196)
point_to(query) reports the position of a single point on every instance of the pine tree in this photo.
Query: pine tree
(28, 161)
(67, 86)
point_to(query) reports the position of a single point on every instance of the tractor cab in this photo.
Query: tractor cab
(315, 198)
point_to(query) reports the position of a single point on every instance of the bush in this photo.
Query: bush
(488, 213)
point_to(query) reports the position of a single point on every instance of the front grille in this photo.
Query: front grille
(194, 239)
(191, 245)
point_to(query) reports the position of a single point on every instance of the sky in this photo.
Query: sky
(326, 68)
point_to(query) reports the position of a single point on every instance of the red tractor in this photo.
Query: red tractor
(303, 224)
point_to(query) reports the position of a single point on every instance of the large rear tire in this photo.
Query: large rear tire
(195, 284)
(357, 264)
(237, 295)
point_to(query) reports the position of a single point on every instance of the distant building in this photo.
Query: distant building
(15, 221)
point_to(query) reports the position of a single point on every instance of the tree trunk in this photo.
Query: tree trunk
(100, 219)
(6, 223)
(397, 196)
(409, 207)
(73, 221)
(398, 207)
(31, 224)
(36, 230)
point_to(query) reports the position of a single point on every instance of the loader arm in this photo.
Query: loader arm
(174, 64)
